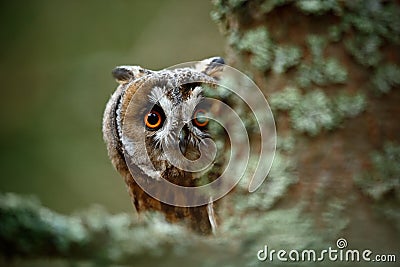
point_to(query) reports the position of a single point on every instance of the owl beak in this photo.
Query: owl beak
(182, 139)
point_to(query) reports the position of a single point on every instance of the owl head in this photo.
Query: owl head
(162, 124)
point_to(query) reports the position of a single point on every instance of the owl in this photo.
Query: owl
(155, 128)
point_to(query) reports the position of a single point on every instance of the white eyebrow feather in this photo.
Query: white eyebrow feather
(156, 94)
(190, 104)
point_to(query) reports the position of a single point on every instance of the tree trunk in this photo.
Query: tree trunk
(330, 72)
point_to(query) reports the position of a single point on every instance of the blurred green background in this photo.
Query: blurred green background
(56, 59)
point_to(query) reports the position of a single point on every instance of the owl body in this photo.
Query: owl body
(156, 116)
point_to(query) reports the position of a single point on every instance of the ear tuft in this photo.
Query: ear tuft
(125, 74)
(211, 66)
(122, 74)
(218, 60)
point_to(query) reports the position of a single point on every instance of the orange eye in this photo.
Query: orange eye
(200, 118)
(153, 120)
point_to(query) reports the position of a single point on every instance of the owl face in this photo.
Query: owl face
(177, 122)
(163, 121)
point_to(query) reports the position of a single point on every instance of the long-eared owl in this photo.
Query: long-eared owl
(155, 118)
